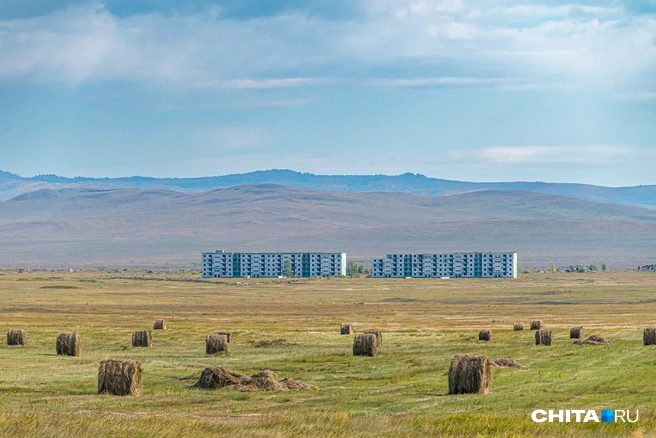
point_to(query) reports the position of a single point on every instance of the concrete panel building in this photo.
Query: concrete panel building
(453, 265)
(221, 264)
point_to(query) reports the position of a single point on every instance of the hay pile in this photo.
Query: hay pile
(160, 324)
(576, 332)
(593, 340)
(142, 339)
(119, 377)
(346, 329)
(16, 337)
(518, 326)
(507, 363)
(68, 344)
(648, 336)
(470, 375)
(215, 344)
(228, 335)
(365, 344)
(219, 377)
(377, 334)
(536, 324)
(485, 335)
(543, 337)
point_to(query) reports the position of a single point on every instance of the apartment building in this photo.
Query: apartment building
(221, 264)
(453, 265)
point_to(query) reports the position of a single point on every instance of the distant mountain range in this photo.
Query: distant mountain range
(12, 185)
(81, 227)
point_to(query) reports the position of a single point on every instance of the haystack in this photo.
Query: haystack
(215, 344)
(507, 363)
(648, 336)
(119, 377)
(160, 324)
(536, 324)
(346, 329)
(68, 344)
(266, 380)
(377, 334)
(16, 337)
(485, 335)
(470, 375)
(593, 340)
(142, 339)
(518, 326)
(228, 335)
(576, 332)
(543, 337)
(364, 344)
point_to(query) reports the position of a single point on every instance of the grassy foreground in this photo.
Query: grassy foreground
(400, 393)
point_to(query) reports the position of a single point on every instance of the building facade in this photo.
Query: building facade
(454, 265)
(222, 264)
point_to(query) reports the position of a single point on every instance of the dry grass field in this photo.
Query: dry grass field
(295, 325)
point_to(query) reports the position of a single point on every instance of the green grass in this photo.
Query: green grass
(400, 393)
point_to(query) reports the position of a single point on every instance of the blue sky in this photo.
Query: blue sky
(498, 90)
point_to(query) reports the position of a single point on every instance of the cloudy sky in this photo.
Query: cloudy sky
(493, 90)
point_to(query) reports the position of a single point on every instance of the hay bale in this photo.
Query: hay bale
(470, 375)
(377, 334)
(649, 336)
(485, 335)
(266, 380)
(518, 326)
(119, 377)
(536, 324)
(160, 324)
(228, 335)
(365, 344)
(215, 344)
(576, 332)
(217, 377)
(543, 337)
(142, 339)
(593, 340)
(507, 363)
(68, 344)
(16, 337)
(346, 329)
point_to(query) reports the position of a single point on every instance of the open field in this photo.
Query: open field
(402, 392)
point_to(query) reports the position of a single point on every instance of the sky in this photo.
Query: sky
(496, 90)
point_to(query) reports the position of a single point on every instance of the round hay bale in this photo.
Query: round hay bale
(536, 324)
(470, 375)
(377, 334)
(16, 337)
(649, 336)
(518, 326)
(215, 344)
(228, 335)
(576, 332)
(485, 335)
(142, 339)
(160, 324)
(68, 344)
(346, 329)
(543, 337)
(119, 377)
(365, 344)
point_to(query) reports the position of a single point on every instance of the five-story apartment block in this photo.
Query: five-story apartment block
(454, 265)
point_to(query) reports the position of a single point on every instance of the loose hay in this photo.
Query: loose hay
(266, 380)
(365, 344)
(215, 344)
(485, 335)
(593, 340)
(377, 334)
(518, 326)
(68, 344)
(649, 336)
(228, 335)
(576, 332)
(160, 324)
(16, 337)
(536, 324)
(346, 329)
(507, 363)
(543, 337)
(470, 375)
(119, 377)
(142, 339)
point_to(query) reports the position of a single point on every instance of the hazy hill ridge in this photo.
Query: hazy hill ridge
(12, 185)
